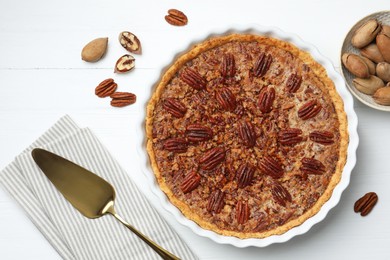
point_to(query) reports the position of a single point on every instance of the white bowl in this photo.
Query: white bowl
(383, 17)
(351, 160)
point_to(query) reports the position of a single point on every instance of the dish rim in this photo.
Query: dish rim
(339, 82)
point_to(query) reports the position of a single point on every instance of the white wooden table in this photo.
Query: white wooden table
(42, 78)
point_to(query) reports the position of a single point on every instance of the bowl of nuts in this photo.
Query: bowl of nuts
(365, 58)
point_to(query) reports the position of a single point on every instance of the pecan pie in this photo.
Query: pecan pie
(246, 135)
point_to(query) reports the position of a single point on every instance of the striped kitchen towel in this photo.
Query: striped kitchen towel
(71, 234)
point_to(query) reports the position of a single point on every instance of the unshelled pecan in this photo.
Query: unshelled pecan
(247, 133)
(212, 158)
(322, 137)
(176, 17)
(280, 194)
(245, 173)
(271, 166)
(312, 166)
(193, 78)
(290, 136)
(216, 201)
(197, 133)
(121, 99)
(228, 66)
(309, 109)
(190, 182)
(174, 107)
(226, 98)
(242, 212)
(262, 64)
(105, 88)
(266, 99)
(294, 82)
(176, 144)
(365, 204)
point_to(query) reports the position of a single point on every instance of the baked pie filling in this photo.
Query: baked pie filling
(247, 135)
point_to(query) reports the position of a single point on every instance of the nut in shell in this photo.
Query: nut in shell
(366, 33)
(356, 65)
(368, 86)
(372, 52)
(383, 42)
(130, 42)
(125, 63)
(382, 96)
(383, 71)
(370, 64)
(94, 50)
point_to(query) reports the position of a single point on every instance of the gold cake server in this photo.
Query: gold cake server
(87, 192)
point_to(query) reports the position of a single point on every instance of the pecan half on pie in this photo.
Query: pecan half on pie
(247, 135)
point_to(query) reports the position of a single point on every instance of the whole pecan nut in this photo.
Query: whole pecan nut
(247, 133)
(198, 133)
(309, 109)
(290, 136)
(280, 194)
(121, 99)
(176, 145)
(176, 17)
(226, 99)
(212, 158)
(216, 201)
(312, 166)
(365, 204)
(228, 66)
(125, 63)
(294, 82)
(174, 107)
(262, 64)
(322, 137)
(245, 173)
(242, 212)
(106, 88)
(193, 78)
(271, 166)
(266, 99)
(130, 42)
(190, 182)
